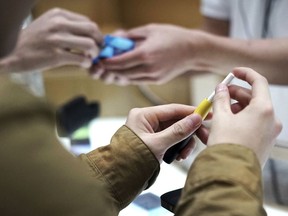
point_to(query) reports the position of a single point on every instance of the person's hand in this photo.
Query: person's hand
(160, 127)
(56, 38)
(251, 122)
(161, 54)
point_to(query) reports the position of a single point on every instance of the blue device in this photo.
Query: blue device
(114, 46)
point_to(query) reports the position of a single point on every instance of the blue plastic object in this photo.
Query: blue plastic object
(114, 46)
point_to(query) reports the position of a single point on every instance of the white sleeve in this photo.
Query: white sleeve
(217, 9)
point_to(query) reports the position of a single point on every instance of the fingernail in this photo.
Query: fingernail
(86, 63)
(194, 120)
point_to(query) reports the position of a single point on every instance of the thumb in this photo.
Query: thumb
(138, 33)
(221, 100)
(180, 130)
(120, 33)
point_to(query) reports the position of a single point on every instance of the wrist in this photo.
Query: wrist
(209, 52)
(199, 48)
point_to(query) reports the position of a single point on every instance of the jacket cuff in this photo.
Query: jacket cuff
(228, 162)
(126, 166)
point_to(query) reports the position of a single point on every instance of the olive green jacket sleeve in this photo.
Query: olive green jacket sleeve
(126, 166)
(39, 177)
(223, 180)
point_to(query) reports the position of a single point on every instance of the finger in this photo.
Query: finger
(203, 133)
(108, 78)
(84, 45)
(187, 150)
(240, 94)
(88, 29)
(137, 72)
(126, 60)
(96, 71)
(259, 83)
(221, 100)
(147, 80)
(278, 127)
(67, 14)
(171, 111)
(236, 107)
(138, 32)
(120, 33)
(68, 58)
(180, 130)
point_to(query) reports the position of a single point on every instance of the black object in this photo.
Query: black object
(170, 199)
(76, 113)
(172, 153)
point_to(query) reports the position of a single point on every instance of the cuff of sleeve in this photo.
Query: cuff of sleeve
(228, 162)
(127, 165)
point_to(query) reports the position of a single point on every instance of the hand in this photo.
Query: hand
(161, 127)
(57, 38)
(161, 54)
(251, 122)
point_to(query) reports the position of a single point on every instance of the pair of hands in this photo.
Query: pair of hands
(162, 53)
(250, 122)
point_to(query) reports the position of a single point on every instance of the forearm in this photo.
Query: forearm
(221, 54)
(223, 180)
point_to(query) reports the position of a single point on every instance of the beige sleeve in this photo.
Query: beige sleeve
(224, 180)
(126, 166)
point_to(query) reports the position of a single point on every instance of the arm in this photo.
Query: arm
(216, 183)
(40, 176)
(221, 54)
(58, 37)
(187, 50)
(144, 139)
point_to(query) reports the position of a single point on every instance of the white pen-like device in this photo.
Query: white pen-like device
(202, 109)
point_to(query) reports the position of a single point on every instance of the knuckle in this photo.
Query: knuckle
(57, 24)
(220, 96)
(93, 26)
(90, 43)
(53, 39)
(279, 127)
(178, 130)
(134, 111)
(57, 11)
(268, 110)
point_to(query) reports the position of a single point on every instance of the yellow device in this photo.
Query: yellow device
(205, 106)
(203, 109)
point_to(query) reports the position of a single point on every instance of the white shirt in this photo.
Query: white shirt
(247, 18)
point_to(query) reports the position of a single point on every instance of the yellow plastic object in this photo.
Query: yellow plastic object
(203, 108)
